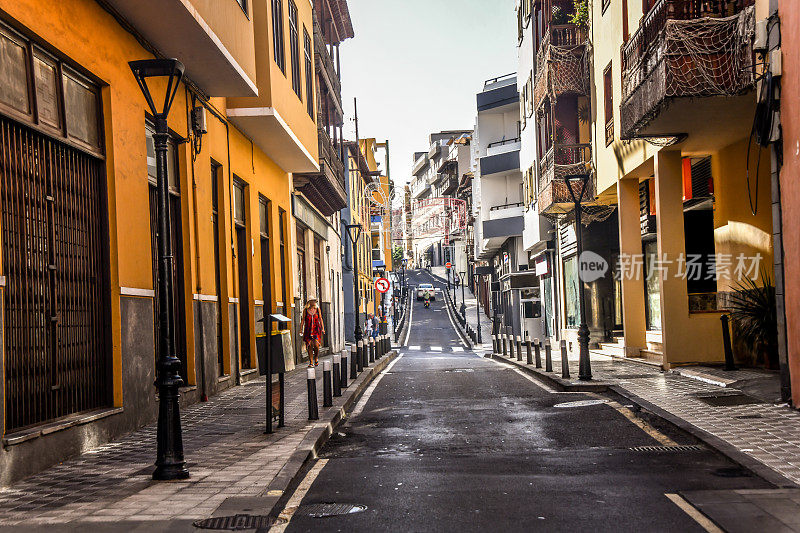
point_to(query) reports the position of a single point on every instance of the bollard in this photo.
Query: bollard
(313, 407)
(510, 336)
(365, 354)
(503, 336)
(519, 348)
(726, 344)
(385, 345)
(359, 358)
(337, 374)
(371, 350)
(548, 356)
(537, 349)
(494, 344)
(528, 349)
(327, 384)
(345, 360)
(564, 361)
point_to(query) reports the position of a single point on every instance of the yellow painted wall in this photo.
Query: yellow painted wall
(64, 25)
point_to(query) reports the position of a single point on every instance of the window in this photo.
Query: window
(309, 74)
(608, 94)
(215, 177)
(277, 35)
(572, 309)
(42, 91)
(243, 5)
(294, 49)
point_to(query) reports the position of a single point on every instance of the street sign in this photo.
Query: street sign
(382, 285)
(448, 265)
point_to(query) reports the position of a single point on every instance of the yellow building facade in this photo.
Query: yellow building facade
(230, 206)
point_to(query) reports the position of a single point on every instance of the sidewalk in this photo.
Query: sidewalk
(227, 453)
(764, 435)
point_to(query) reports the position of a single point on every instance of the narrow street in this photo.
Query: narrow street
(449, 441)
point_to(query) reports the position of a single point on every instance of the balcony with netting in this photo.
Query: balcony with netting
(562, 66)
(689, 69)
(559, 162)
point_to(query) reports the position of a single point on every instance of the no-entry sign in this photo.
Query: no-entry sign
(448, 265)
(382, 284)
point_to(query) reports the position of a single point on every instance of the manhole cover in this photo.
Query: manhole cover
(239, 522)
(579, 403)
(731, 471)
(727, 399)
(322, 510)
(669, 449)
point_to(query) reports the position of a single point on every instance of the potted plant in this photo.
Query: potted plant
(755, 318)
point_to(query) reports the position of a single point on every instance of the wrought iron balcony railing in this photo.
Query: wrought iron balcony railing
(686, 48)
(562, 66)
(561, 161)
(325, 63)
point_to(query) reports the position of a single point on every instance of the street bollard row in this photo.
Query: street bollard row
(529, 354)
(548, 356)
(564, 360)
(519, 348)
(313, 406)
(537, 350)
(337, 374)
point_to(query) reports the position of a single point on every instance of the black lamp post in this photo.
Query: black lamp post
(577, 185)
(169, 456)
(403, 284)
(354, 232)
(478, 308)
(463, 304)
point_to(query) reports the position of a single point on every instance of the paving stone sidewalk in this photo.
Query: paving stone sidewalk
(227, 452)
(765, 431)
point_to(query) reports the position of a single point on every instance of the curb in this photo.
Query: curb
(715, 443)
(316, 438)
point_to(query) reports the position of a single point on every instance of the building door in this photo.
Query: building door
(174, 246)
(284, 285)
(266, 258)
(54, 256)
(652, 286)
(301, 266)
(215, 171)
(242, 250)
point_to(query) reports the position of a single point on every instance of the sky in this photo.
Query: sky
(416, 67)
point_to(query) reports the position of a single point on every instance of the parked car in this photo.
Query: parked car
(425, 287)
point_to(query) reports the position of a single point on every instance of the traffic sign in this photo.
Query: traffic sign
(448, 265)
(382, 284)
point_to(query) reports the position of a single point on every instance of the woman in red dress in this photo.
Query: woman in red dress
(313, 329)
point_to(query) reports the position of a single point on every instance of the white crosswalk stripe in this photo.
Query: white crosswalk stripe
(457, 349)
(436, 348)
(413, 347)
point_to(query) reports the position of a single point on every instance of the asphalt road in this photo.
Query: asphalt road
(449, 441)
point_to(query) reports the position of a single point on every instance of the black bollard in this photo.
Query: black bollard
(503, 337)
(359, 358)
(327, 384)
(337, 374)
(528, 349)
(345, 360)
(730, 364)
(548, 356)
(371, 350)
(510, 337)
(537, 350)
(365, 354)
(313, 407)
(519, 348)
(494, 344)
(564, 361)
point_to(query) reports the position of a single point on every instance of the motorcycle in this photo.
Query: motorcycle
(427, 304)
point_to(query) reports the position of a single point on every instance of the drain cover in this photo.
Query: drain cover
(239, 522)
(322, 510)
(676, 448)
(727, 399)
(579, 403)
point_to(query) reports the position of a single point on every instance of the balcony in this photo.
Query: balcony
(450, 184)
(325, 189)
(499, 92)
(505, 221)
(325, 67)
(215, 44)
(501, 156)
(561, 64)
(559, 162)
(688, 69)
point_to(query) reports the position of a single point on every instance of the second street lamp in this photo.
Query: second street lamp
(170, 463)
(577, 185)
(354, 232)
(463, 305)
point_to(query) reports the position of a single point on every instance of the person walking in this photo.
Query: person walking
(313, 329)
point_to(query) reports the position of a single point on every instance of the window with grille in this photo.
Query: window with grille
(278, 52)
(309, 74)
(294, 49)
(608, 95)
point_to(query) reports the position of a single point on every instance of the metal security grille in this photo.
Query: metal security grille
(55, 303)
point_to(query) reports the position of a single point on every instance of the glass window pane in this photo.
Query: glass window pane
(571, 302)
(172, 165)
(262, 214)
(13, 72)
(238, 203)
(46, 76)
(80, 100)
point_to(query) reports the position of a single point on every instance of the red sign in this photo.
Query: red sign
(448, 265)
(382, 284)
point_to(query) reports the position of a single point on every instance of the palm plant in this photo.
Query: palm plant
(755, 318)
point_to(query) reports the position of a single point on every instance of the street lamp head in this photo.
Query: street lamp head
(171, 69)
(354, 232)
(577, 185)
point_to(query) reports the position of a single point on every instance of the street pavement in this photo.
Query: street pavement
(446, 440)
